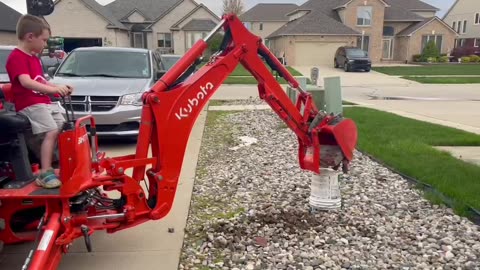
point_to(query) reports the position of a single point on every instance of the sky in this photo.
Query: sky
(216, 5)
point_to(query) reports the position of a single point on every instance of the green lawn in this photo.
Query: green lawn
(241, 71)
(444, 80)
(406, 145)
(451, 69)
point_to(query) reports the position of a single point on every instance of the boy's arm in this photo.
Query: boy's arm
(28, 83)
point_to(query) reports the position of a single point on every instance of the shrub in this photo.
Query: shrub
(443, 59)
(431, 59)
(474, 58)
(465, 59)
(417, 57)
(430, 50)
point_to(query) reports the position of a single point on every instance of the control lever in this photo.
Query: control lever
(86, 236)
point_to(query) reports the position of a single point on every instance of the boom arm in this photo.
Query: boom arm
(175, 101)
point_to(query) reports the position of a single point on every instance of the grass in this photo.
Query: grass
(241, 71)
(451, 69)
(407, 146)
(241, 76)
(444, 80)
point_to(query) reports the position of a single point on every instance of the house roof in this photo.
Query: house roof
(8, 18)
(266, 12)
(409, 31)
(415, 5)
(199, 25)
(314, 23)
(323, 19)
(151, 9)
(177, 24)
(103, 12)
(398, 13)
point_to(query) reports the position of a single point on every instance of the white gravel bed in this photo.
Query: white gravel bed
(250, 211)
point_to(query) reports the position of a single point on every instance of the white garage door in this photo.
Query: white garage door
(316, 53)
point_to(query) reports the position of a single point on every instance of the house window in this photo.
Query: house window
(438, 39)
(477, 18)
(454, 26)
(260, 27)
(459, 26)
(364, 16)
(363, 43)
(138, 40)
(164, 40)
(476, 42)
(388, 31)
(465, 26)
(193, 37)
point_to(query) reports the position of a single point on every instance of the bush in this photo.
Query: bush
(431, 59)
(465, 59)
(443, 59)
(417, 57)
(474, 58)
(430, 50)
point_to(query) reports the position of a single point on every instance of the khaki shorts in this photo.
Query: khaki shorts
(44, 117)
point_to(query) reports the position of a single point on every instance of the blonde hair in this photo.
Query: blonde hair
(31, 24)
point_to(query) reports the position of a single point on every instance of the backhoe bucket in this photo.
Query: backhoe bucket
(337, 142)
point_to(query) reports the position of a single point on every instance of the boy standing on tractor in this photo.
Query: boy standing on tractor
(31, 92)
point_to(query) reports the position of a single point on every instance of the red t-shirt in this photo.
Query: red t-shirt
(19, 63)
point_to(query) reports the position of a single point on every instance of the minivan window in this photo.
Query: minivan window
(3, 60)
(169, 61)
(106, 64)
(356, 53)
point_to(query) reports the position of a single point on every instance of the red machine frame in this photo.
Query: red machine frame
(170, 110)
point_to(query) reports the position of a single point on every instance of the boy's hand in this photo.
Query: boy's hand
(63, 90)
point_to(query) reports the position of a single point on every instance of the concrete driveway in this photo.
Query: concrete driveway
(357, 78)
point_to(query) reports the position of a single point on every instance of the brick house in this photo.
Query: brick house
(169, 26)
(265, 18)
(8, 25)
(464, 18)
(389, 30)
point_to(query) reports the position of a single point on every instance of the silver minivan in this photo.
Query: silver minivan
(108, 84)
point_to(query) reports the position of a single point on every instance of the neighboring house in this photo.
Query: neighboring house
(390, 30)
(8, 25)
(171, 26)
(464, 17)
(263, 19)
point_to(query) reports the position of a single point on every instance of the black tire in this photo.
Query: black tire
(346, 67)
(335, 64)
(367, 70)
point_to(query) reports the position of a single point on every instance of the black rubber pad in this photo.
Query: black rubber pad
(44, 191)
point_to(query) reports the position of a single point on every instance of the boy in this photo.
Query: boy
(31, 92)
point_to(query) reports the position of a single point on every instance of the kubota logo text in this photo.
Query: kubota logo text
(185, 111)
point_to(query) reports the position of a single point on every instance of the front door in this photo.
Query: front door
(387, 48)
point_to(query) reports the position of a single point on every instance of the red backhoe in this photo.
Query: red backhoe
(53, 219)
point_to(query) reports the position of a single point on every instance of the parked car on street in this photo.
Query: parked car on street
(352, 58)
(108, 84)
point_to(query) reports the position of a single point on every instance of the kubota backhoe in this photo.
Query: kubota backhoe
(53, 219)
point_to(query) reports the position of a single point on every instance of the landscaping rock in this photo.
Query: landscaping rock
(250, 210)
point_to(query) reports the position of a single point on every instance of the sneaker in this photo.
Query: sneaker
(48, 180)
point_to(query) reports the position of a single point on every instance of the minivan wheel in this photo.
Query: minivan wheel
(335, 64)
(346, 67)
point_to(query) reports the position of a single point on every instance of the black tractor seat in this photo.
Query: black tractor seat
(13, 123)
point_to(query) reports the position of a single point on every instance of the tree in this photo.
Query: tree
(233, 6)
(430, 51)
